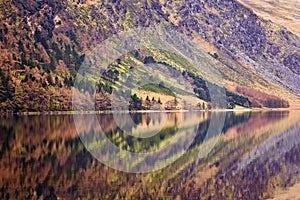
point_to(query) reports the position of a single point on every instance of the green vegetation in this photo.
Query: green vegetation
(138, 145)
(149, 60)
(158, 89)
(52, 50)
(6, 90)
(235, 99)
(135, 103)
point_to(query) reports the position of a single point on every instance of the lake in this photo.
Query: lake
(184, 155)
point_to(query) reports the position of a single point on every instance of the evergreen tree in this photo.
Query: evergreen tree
(159, 101)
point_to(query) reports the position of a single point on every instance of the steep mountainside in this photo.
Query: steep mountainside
(44, 42)
(285, 13)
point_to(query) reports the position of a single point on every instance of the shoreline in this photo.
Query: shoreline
(28, 113)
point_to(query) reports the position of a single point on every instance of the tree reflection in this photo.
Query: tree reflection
(42, 156)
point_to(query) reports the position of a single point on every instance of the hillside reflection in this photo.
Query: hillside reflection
(255, 154)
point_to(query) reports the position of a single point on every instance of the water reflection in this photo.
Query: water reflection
(256, 154)
(159, 146)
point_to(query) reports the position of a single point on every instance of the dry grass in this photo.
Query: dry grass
(291, 193)
(282, 12)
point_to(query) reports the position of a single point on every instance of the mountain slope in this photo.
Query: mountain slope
(285, 13)
(44, 42)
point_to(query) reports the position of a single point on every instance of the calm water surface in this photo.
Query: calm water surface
(255, 155)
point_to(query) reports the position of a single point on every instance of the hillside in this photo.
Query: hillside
(43, 43)
(285, 13)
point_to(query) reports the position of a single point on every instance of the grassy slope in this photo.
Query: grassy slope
(234, 67)
(284, 13)
(77, 27)
(157, 89)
